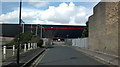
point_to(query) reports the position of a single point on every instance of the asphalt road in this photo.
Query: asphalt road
(63, 55)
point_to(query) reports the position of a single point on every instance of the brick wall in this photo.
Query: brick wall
(103, 28)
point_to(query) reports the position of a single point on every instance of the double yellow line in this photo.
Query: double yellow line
(38, 60)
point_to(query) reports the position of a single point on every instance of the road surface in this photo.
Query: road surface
(64, 55)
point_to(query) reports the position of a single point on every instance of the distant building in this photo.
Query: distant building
(11, 30)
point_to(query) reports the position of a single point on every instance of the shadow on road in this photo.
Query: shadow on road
(61, 60)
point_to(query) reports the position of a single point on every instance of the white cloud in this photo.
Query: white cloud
(38, 4)
(9, 17)
(63, 14)
(12, 17)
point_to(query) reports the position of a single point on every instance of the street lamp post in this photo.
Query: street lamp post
(18, 47)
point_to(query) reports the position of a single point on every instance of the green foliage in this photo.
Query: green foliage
(21, 38)
(40, 43)
(85, 31)
(26, 37)
(36, 39)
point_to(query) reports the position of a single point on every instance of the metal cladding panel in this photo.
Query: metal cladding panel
(11, 30)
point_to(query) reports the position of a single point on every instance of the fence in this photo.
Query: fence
(79, 42)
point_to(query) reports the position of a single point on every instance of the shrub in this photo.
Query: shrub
(40, 43)
(36, 39)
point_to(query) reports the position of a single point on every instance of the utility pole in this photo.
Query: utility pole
(18, 47)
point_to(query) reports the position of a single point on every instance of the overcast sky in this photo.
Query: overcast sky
(55, 13)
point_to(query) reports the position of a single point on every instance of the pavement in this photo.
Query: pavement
(24, 58)
(105, 58)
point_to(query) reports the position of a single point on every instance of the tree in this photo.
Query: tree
(24, 38)
(50, 34)
(40, 43)
(85, 31)
(38, 40)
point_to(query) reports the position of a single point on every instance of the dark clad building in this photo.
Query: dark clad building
(62, 31)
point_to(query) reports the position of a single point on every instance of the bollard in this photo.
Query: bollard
(13, 50)
(4, 51)
(34, 46)
(25, 48)
(31, 46)
(28, 46)
(44, 43)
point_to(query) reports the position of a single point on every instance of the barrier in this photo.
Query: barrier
(4, 52)
(13, 50)
(25, 48)
(79, 42)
